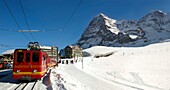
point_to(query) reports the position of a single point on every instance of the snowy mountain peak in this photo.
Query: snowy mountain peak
(158, 13)
(102, 15)
(102, 30)
(155, 15)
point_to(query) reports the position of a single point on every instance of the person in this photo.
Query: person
(0, 65)
(5, 65)
(8, 65)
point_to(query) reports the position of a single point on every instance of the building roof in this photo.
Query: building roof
(8, 52)
(45, 47)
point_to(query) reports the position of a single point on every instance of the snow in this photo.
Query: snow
(133, 36)
(127, 68)
(111, 23)
(144, 67)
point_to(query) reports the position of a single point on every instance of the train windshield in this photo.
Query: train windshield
(20, 57)
(27, 57)
(35, 57)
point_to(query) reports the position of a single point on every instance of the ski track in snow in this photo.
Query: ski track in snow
(90, 81)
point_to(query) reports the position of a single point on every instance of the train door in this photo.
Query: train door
(27, 59)
(44, 61)
(36, 61)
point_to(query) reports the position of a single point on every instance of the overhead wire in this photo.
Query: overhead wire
(65, 25)
(15, 19)
(14, 30)
(4, 29)
(74, 12)
(26, 20)
(4, 45)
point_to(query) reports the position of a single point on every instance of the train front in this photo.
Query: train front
(29, 64)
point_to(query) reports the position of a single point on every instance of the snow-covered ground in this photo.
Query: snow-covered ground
(146, 68)
(143, 68)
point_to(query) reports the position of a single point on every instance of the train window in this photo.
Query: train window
(20, 57)
(35, 57)
(44, 58)
(27, 57)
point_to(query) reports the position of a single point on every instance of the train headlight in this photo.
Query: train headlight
(17, 71)
(34, 71)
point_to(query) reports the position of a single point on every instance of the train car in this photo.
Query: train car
(32, 63)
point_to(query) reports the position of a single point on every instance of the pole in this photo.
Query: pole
(82, 62)
(82, 57)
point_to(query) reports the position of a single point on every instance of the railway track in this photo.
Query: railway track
(24, 86)
(8, 83)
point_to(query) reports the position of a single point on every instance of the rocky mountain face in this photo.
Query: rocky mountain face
(104, 31)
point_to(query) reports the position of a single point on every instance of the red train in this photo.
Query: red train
(33, 63)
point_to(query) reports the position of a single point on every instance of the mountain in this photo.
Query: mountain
(104, 31)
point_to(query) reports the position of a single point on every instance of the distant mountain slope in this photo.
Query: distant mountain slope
(104, 31)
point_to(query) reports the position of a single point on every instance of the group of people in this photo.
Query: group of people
(5, 65)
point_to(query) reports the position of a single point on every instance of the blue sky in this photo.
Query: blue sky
(61, 26)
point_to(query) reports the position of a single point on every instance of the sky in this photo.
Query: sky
(61, 22)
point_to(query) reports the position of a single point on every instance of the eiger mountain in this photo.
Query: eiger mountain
(104, 31)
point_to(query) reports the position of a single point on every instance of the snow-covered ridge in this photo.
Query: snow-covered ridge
(96, 50)
(104, 31)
